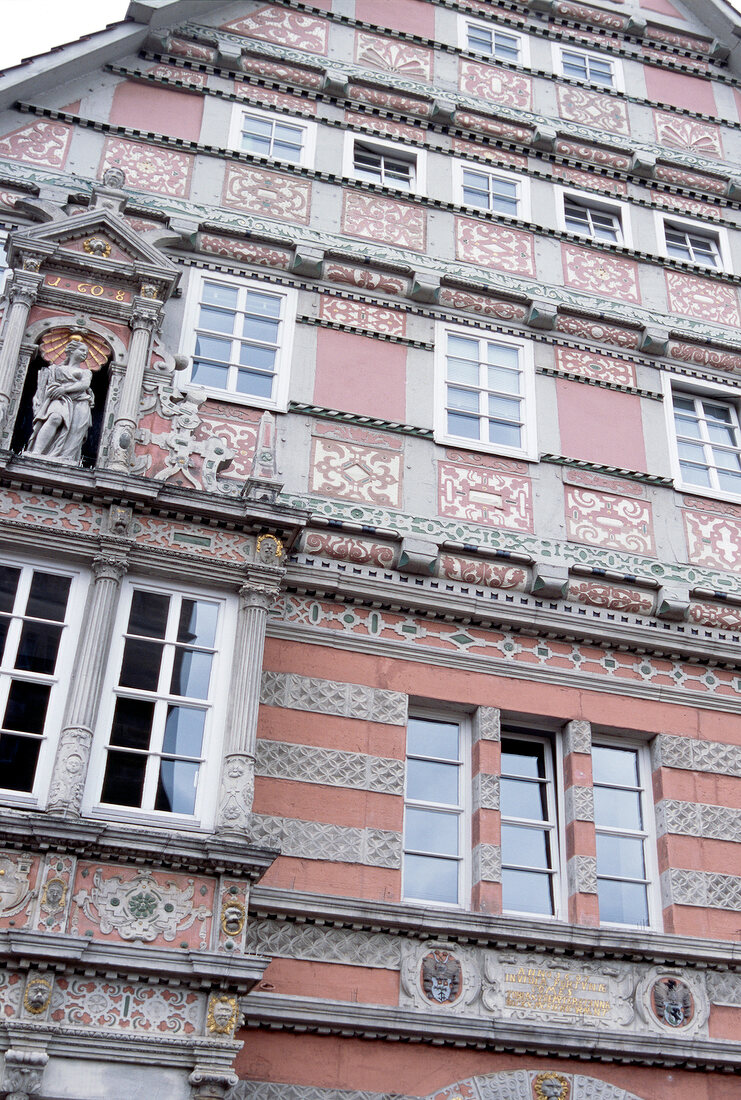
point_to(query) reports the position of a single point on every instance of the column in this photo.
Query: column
(144, 317)
(581, 850)
(486, 827)
(236, 791)
(22, 294)
(75, 741)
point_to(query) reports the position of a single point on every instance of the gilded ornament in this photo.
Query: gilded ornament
(54, 895)
(98, 247)
(269, 549)
(53, 345)
(232, 918)
(149, 290)
(551, 1086)
(222, 1014)
(37, 996)
(31, 263)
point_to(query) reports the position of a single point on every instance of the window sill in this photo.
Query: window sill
(231, 398)
(147, 818)
(461, 444)
(707, 493)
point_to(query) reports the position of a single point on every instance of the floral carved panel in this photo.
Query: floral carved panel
(251, 252)
(164, 171)
(42, 142)
(600, 274)
(498, 85)
(592, 109)
(615, 597)
(393, 56)
(195, 51)
(688, 133)
(356, 465)
(105, 1003)
(481, 572)
(692, 296)
(381, 219)
(481, 489)
(185, 76)
(604, 519)
(267, 193)
(285, 27)
(493, 245)
(603, 368)
(344, 311)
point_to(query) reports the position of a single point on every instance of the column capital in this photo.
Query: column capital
(22, 293)
(109, 567)
(261, 596)
(145, 314)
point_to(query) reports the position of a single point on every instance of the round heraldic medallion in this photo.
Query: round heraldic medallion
(441, 977)
(672, 1002)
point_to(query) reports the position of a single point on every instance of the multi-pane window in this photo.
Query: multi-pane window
(240, 338)
(485, 387)
(434, 815)
(708, 442)
(620, 823)
(267, 135)
(595, 222)
(164, 696)
(490, 191)
(34, 615)
(529, 827)
(588, 68)
(494, 42)
(377, 164)
(692, 246)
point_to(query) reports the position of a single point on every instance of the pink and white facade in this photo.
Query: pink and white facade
(370, 554)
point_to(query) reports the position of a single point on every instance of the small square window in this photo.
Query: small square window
(276, 137)
(693, 244)
(589, 68)
(498, 43)
(489, 189)
(594, 219)
(706, 439)
(384, 163)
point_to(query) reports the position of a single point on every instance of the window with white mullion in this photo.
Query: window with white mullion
(434, 812)
(591, 221)
(272, 137)
(163, 702)
(529, 827)
(708, 442)
(493, 42)
(623, 878)
(696, 248)
(490, 191)
(381, 166)
(586, 67)
(484, 391)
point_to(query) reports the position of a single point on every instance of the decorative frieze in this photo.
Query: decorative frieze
(284, 27)
(309, 764)
(609, 520)
(596, 272)
(581, 874)
(334, 843)
(687, 753)
(485, 489)
(500, 86)
(487, 863)
(579, 804)
(485, 791)
(43, 142)
(687, 133)
(480, 571)
(593, 365)
(713, 535)
(331, 945)
(701, 889)
(393, 56)
(593, 109)
(268, 193)
(495, 246)
(707, 299)
(286, 689)
(149, 167)
(356, 464)
(380, 219)
(698, 819)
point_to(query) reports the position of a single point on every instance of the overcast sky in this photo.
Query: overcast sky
(34, 26)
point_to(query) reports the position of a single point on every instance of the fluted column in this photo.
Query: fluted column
(75, 741)
(22, 294)
(144, 318)
(238, 773)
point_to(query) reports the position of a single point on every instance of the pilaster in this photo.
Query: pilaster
(581, 860)
(486, 830)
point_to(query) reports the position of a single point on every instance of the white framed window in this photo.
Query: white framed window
(278, 137)
(485, 394)
(588, 68)
(623, 816)
(705, 436)
(531, 846)
(498, 43)
(385, 163)
(40, 611)
(593, 218)
(239, 335)
(436, 811)
(491, 189)
(694, 243)
(3, 260)
(157, 745)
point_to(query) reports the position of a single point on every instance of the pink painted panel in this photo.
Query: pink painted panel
(680, 90)
(592, 109)
(344, 311)
(41, 142)
(381, 219)
(692, 296)
(589, 364)
(356, 464)
(714, 540)
(485, 489)
(604, 519)
(164, 171)
(493, 245)
(287, 28)
(599, 273)
(19, 875)
(412, 16)
(583, 414)
(688, 133)
(663, 7)
(358, 374)
(498, 85)
(161, 110)
(392, 56)
(267, 193)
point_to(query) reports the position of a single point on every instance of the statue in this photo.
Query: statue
(62, 406)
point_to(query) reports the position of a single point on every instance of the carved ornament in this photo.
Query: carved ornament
(37, 996)
(98, 247)
(222, 1015)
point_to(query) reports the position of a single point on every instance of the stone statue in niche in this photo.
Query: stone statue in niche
(62, 406)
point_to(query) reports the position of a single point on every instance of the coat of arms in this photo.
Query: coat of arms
(672, 1002)
(441, 976)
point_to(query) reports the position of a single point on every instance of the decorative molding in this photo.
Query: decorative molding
(486, 724)
(689, 754)
(724, 988)
(485, 790)
(701, 889)
(581, 874)
(577, 736)
(579, 804)
(698, 819)
(286, 689)
(335, 768)
(487, 863)
(334, 843)
(289, 940)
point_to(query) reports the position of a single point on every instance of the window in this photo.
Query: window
(239, 334)
(624, 861)
(434, 812)
(704, 429)
(485, 391)
(530, 846)
(164, 692)
(588, 68)
(266, 135)
(486, 189)
(35, 641)
(3, 260)
(384, 163)
(683, 240)
(593, 219)
(494, 42)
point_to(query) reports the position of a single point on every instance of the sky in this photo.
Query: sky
(34, 26)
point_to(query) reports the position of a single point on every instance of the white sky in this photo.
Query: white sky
(34, 26)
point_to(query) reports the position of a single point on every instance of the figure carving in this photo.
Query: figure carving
(223, 1013)
(37, 996)
(232, 918)
(62, 406)
(551, 1086)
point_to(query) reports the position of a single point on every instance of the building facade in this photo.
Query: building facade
(370, 554)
